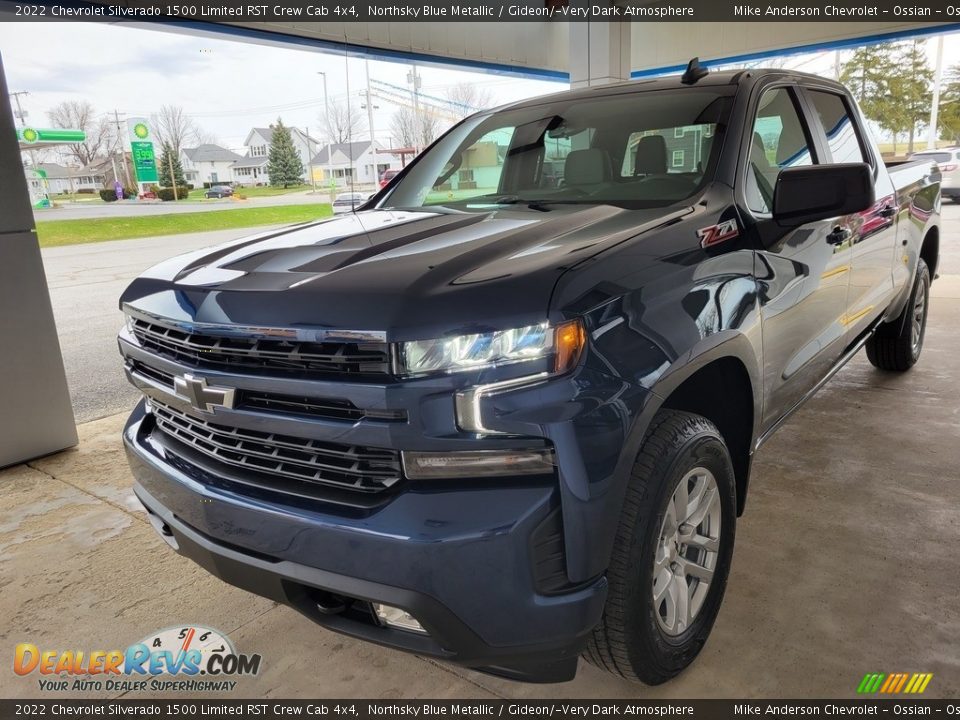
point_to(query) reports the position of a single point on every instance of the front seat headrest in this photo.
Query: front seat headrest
(587, 167)
(651, 158)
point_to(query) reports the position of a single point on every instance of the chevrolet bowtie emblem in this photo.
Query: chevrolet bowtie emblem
(201, 396)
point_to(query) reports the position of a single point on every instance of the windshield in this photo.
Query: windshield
(642, 149)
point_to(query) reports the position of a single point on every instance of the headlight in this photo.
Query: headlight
(128, 322)
(485, 350)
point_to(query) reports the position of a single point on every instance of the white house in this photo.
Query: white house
(208, 165)
(252, 169)
(55, 179)
(353, 160)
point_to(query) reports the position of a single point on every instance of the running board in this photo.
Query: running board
(844, 359)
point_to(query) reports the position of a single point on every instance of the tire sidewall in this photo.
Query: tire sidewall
(673, 654)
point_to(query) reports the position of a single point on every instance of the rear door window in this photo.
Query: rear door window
(843, 138)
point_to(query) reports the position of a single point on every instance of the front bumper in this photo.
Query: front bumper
(460, 560)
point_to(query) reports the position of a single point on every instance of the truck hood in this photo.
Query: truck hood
(407, 273)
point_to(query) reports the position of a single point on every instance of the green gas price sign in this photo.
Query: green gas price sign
(144, 161)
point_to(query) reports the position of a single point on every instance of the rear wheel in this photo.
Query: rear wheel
(672, 552)
(896, 345)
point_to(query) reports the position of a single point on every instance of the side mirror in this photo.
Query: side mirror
(817, 192)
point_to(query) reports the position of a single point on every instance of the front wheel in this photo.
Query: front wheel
(672, 552)
(896, 345)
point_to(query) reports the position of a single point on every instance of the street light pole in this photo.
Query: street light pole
(373, 137)
(326, 117)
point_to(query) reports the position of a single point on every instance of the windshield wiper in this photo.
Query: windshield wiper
(533, 203)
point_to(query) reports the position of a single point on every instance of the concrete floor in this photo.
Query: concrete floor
(844, 562)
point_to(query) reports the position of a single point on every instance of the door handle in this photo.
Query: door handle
(887, 211)
(839, 235)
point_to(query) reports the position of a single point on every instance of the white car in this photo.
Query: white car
(948, 161)
(348, 202)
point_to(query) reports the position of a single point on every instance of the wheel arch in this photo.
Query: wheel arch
(930, 250)
(722, 392)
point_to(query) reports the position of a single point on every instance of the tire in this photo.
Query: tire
(633, 639)
(896, 345)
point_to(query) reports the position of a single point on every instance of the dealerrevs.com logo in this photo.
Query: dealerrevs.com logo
(186, 658)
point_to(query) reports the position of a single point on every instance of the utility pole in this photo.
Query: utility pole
(119, 148)
(326, 118)
(373, 137)
(20, 113)
(414, 79)
(935, 104)
(173, 178)
(22, 117)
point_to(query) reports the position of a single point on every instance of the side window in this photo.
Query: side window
(780, 140)
(842, 136)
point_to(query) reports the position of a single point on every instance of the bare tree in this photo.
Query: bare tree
(177, 129)
(80, 115)
(343, 122)
(408, 130)
(466, 99)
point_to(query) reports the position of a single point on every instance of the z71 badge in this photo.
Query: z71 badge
(715, 234)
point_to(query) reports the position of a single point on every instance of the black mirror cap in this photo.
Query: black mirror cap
(817, 192)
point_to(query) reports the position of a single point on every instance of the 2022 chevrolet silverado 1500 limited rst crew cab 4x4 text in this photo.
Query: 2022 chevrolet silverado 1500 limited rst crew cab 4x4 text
(504, 414)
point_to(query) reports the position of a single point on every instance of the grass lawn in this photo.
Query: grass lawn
(70, 232)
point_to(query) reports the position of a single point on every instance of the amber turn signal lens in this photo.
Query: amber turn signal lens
(569, 341)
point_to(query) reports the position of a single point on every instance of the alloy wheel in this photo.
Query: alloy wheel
(687, 551)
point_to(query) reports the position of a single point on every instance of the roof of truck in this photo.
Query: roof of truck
(666, 82)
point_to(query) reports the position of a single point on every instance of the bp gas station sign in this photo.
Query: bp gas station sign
(141, 148)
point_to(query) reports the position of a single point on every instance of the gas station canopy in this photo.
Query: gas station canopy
(37, 138)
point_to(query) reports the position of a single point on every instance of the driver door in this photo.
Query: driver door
(803, 276)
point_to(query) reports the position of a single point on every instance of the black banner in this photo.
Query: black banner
(933, 11)
(433, 709)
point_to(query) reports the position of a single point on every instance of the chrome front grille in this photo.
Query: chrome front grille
(258, 354)
(293, 458)
(279, 403)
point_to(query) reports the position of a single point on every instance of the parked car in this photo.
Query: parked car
(948, 162)
(505, 423)
(218, 191)
(349, 201)
(386, 177)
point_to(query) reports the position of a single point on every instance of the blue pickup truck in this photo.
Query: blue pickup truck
(504, 413)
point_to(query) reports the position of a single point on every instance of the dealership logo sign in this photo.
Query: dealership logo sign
(185, 652)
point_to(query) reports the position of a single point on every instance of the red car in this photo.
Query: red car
(387, 176)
